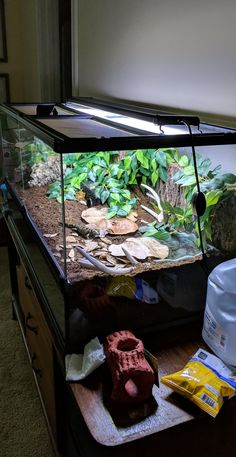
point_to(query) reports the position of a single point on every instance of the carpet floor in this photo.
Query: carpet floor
(23, 431)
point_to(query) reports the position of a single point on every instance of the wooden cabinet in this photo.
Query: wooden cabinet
(39, 343)
(79, 422)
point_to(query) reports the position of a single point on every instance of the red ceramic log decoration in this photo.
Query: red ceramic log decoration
(132, 376)
(93, 299)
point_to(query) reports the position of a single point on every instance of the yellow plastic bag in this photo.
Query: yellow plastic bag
(205, 380)
(133, 288)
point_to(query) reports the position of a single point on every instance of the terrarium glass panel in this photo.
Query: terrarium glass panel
(128, 212)
(10, 132)
(217, 176)
(31, 165)
(132, 235)
(121, 224)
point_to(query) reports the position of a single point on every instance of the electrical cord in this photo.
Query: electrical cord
(198, 200)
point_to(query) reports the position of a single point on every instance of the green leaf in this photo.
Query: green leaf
(142, 159)
(133, 201)
(189, 170)
(203, 166)
(75, 182)
(215, 171)
(161, 158)
(139, 155)
(163, 174)
(98, 191)
(114, 168)
(183, 161)
(119, 173)
(115, 190)
(92, 176)
(188, 211)
(52, 194)
(176, 155)
(127, 208)
(151, 232)
(144, 171)
(213, 197)
(154, 178)
(100, 162)
(121, 212)
(90, 164)
(127, 162)
(167, 207)
(178, 211)
(115, 197)
(178, 175)
(145, 163)
(106, 157)
(154, 164)
(162, 236)
(104, 196)
(187, 181)
(69, 196)
(156, 234)
(229, 178)
(54, 186)
(100, 176)
(134, 163)
(144, 179)
(126, 193)
(111, 213)
(133, 179)
(114, 183)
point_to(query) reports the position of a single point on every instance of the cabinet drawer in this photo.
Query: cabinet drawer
(28, 301)
(40, 349)
(39, 343)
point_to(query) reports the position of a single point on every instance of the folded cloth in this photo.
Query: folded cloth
(78, 366)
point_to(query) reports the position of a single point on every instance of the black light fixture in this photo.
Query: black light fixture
(46, 109)
(176, 119)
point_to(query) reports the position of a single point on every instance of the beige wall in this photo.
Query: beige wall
(22, 55)
(33, 50)
(176, 53)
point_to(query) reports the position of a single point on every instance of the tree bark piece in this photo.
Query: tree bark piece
(170, 191)
(223, 225)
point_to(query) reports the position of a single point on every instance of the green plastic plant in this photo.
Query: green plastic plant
(214, 185)
(35, 152)
(113, 181)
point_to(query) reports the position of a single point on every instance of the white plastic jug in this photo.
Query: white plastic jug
(219, 327)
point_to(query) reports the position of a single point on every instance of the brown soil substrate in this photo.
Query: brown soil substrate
(47, 214)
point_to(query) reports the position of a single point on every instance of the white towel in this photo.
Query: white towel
(78, 366)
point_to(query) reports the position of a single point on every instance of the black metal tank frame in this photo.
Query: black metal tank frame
(199, 203)
(63, 144)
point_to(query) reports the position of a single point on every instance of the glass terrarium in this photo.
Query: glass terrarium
(132, 207)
